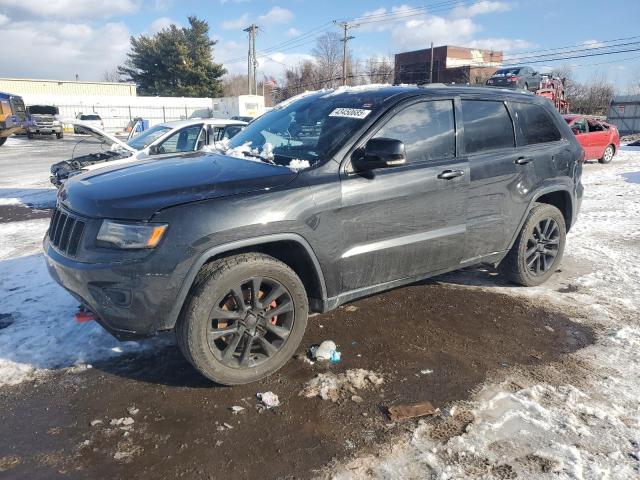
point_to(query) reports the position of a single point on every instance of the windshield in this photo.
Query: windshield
(507, 71)
(42, 110)
(147, 137)
(312, 128)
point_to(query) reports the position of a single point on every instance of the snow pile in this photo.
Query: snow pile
(586, 425)
(35, 198)
(297, 164)
(20, 237)
(330, 386)
(357, 89)
(41, 332)
(295, 98)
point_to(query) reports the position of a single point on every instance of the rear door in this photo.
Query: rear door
(546, 153)
(490, 147)
(407, 220)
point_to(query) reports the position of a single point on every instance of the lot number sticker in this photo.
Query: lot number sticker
(359, 113)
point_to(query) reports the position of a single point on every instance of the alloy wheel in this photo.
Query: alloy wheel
(608, 154)
(542, 246)
(250, 323)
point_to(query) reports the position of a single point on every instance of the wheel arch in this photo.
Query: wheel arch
(290, 248)
(559, 197)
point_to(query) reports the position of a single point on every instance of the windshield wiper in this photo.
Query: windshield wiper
(257, 155)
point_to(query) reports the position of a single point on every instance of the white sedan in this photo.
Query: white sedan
(163, 140)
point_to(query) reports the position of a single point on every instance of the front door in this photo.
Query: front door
(408, 220)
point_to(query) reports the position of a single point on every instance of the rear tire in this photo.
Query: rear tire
(2, 140)
(233, 343)
(538, 250)
(608, 154)
(30, 135)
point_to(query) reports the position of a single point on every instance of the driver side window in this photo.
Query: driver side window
(427, 130)
(185, 140)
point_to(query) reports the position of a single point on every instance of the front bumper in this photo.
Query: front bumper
(44, 130)
(128, 301)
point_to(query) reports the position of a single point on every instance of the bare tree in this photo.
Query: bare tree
(328, 55)
(378, 70)
(589, 98)
(234, 85)
(111, 75)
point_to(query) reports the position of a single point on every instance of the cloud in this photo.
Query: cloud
(292, 32)
(241, 22)
(72, 8)
(480, 8)
(59, 50)
(502, 44)
(276, 15)
(233, 55)
(415, 30)
(161, 23)
(593, 44)
(3, 19)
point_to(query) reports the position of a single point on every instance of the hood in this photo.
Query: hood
(98, 133)
(137, 191)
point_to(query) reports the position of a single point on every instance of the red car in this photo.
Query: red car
(600, 140)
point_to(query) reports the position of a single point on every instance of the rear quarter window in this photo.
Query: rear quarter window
(487, 126)
(535, 124)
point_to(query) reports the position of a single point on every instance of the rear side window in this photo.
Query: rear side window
(535, 124)
(427, 130)
(487, 126)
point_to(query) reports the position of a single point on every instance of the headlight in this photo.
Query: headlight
(131, 235)
(56, 122)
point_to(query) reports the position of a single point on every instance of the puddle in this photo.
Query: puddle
(632, 177)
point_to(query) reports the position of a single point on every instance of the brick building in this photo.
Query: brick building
(450, 65)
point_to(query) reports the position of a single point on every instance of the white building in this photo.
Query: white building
(118, 103)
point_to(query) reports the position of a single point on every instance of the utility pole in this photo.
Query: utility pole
(252, 59)
(431, 65)
(345, 38)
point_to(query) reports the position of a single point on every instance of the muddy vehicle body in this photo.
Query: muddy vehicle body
(325, 199)
(44, 120)
(12, 115)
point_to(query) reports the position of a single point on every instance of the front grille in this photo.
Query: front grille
(65, 232)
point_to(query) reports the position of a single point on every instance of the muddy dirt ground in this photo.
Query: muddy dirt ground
(461, 334)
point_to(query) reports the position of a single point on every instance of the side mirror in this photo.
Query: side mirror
(380, 153)
(154, 150)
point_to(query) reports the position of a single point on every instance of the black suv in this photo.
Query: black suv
(327, 198)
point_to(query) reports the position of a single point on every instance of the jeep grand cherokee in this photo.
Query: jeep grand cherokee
(329, 197)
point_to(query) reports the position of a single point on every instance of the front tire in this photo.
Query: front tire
(30, 135)
(244, 319)
(538, 250)
(59, 135)
(608, 154)
(2, 140)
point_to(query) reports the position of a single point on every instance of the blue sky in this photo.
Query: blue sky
(59, 38)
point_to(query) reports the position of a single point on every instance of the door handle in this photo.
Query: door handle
(449, 174)
(523, 160)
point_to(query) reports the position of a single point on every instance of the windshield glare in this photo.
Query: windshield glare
(312, 128)
(147, 137)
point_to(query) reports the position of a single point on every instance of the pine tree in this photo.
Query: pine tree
(175, 62)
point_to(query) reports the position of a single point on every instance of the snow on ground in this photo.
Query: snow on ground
(576, 420)
(41, 333)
